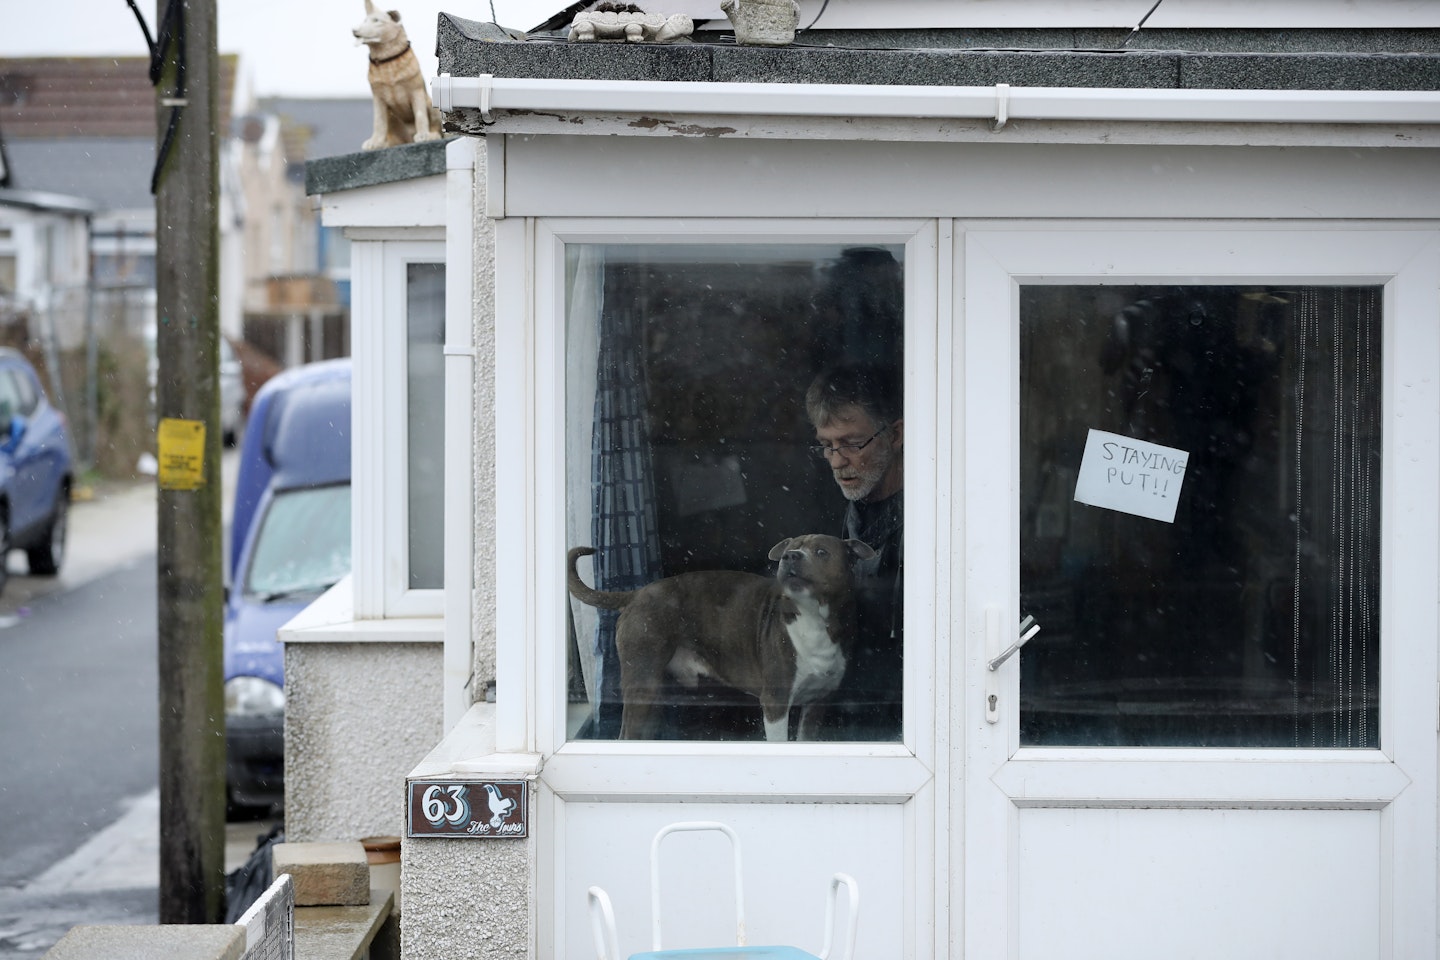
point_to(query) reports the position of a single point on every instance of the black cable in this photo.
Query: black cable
(145, 29)
(817, 16)
(1129, 36)
(172, 29)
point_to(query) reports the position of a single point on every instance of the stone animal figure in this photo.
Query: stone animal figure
(626, 21)
(403, 112)
(785, 641)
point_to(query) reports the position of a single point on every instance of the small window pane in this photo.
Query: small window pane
(1200, 514)
(425, 377)
(689, 451)
(124, 269)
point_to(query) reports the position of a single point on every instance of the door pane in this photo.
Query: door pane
(690, 447)
(1199, 515)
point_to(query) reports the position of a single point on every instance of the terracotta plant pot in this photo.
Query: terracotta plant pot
(381, 849)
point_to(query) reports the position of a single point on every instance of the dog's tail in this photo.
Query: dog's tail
(613, 600)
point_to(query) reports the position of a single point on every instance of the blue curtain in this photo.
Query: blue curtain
(622, 473)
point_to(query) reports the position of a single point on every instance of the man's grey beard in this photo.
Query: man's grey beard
(870, 478)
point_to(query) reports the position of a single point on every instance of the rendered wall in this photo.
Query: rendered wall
(469, 898)
(483, 312)
(466, 898)
(359, 717)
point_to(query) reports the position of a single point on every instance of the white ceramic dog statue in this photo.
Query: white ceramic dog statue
(403, 112)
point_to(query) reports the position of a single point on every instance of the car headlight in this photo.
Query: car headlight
(253, 697)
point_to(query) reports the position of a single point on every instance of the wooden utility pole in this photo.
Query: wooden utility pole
(190, 596)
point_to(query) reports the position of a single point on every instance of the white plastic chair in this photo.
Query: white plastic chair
(602, 914)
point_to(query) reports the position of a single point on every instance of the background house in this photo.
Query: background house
(85, 127)
(297, 287)
(45, 277)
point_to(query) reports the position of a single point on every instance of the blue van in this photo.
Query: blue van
(290, 542)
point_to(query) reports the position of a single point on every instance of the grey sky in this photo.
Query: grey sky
(300, 48)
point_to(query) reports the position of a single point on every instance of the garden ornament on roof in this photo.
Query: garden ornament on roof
(763, 23)
(403, 112)
(626, 21)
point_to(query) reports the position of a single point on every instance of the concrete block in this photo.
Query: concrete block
(325, 874)
(195, 941)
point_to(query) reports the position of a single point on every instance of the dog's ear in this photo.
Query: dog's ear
(778, 551)
(859, 549)
(394, 15)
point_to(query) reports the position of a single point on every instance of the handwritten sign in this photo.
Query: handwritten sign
(181, 446)
(469, 809)
(1131, 476)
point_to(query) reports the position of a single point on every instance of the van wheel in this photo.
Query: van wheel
(45, 557)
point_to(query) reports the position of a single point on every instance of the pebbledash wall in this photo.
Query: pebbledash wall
(376, 701)
(357, 718)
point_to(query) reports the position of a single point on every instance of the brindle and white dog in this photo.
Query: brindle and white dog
(786, 641)
(403, 112)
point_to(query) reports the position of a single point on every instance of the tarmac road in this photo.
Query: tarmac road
(79, 765)
(79, 693)
(113, 530)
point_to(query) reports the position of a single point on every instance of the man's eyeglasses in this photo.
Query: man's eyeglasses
(847, 450)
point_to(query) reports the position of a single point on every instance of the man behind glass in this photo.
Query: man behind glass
(856, 411)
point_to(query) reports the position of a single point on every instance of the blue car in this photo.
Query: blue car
(290, 542)
(36, 470)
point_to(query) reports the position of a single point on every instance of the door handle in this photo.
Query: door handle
(1028, 629)
(995, 657)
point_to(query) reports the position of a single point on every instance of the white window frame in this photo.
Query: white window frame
(380, 519)
(530, 488)
(530, 578)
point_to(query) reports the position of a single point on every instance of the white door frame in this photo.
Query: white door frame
(1002, 779)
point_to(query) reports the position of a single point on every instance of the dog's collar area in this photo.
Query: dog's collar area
(393, 56)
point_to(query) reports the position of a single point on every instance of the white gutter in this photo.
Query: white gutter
(999, 103)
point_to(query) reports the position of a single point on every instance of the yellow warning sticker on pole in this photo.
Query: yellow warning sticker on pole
(182, 454)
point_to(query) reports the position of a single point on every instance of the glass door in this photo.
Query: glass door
(726, 421)
(1213, 494)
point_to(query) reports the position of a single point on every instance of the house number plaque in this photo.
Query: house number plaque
(486, 809)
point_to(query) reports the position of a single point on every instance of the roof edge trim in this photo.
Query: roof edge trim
(1000, 103)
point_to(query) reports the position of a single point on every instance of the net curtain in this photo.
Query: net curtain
(621, 477)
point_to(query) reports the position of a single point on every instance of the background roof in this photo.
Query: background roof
(86, 126)
(44, 97)
(321, 127)
(112, 172)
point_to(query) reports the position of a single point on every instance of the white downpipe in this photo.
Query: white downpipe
(1001, 102)
(459, 429)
